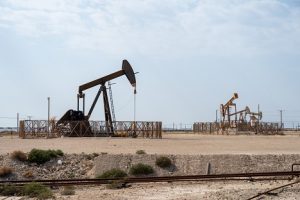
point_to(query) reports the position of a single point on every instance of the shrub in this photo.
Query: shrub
(89, 157)
(59, 152)
(163, 162)
(41, 156)
(116, 185)
(37, 190)
(140, 152)
(32, 190)
(10, 190)
(19, 155)
(113, 173)
(5, 171)
(68, 191)
(141, 169)
(55, 153)
(95, 155)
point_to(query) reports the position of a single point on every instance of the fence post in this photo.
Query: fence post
(22, 130)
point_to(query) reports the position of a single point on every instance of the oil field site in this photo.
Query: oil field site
(154, 100)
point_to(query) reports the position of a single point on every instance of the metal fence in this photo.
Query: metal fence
(41, 128)
(206, 127)
(265, 128)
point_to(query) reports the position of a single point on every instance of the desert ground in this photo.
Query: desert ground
(189, 191)
(171, 144)
(181, 144)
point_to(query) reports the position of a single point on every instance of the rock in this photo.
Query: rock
(59, 162)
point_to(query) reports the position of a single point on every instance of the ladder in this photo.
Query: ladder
(111, 101)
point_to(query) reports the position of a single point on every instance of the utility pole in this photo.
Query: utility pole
(48, 117)
(281, 124)
(216, 116)
(258, 112)
(17, 122)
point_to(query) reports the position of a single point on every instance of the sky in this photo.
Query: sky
(191, 55)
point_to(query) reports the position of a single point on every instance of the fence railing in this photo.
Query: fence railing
(41, 128)
(218, 128)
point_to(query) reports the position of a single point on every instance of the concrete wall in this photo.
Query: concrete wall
(198, 164)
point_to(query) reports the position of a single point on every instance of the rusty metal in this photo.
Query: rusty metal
(274, 189)
(72, 115)
(226, 109)
(206, 127)
(244, 121)
(262, 128)
(38, 128)
(223, 177)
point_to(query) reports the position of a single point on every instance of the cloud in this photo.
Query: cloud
(149, 27)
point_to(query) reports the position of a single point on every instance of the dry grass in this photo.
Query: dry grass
(163, 162)
(140, 152)
(28, 174)
(36, 190)
(5, 171)
(68, 191)
(19, 155)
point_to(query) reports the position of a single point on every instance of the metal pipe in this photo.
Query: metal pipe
(157, 179)
(77, 102)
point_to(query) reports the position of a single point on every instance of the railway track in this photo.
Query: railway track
(218, 177)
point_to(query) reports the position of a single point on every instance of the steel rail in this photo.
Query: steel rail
(271, 190)
(221, 177)
(98, 182)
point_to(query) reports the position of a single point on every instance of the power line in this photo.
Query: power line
(8, 117)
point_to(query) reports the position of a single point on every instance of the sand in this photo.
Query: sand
(180, 144)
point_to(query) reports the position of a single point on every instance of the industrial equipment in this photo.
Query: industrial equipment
(254, 117)
(226, 109)
(78, 115)
(242, 113)
(111, 101)
(240, 122)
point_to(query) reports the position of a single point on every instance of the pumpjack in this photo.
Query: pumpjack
(225, 109)
(227, 114)
(80, 116)
(243, 115)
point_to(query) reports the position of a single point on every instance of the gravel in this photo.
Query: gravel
(64, 167)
